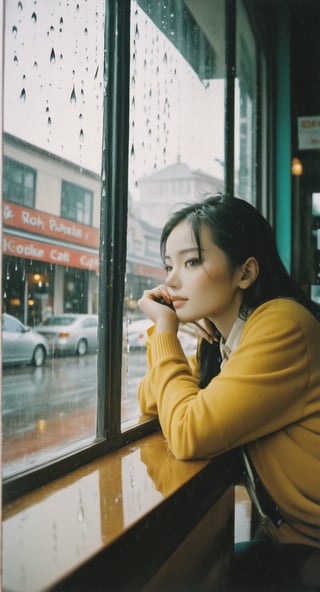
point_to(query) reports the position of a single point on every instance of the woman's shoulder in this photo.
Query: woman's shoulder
(284, 311)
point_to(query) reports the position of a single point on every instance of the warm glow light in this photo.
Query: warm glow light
(15, 302)
(41, 424)
(37, 277)
(296, 167)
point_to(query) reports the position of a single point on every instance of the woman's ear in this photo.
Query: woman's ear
(249, 272)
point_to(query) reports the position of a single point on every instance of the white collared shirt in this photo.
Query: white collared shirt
(232, 342)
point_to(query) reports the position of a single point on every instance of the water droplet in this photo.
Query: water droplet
(132, 152)
(81, 135)
(20, 7)
(14, 30)
(34, 17)
(49, 121)
(73, 96)
(61, 20)
(96, 73)
(86, 31)
(52, 57)
(15, 59)
(23, 95)
(35, 64)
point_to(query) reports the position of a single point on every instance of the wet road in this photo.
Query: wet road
(62, 386)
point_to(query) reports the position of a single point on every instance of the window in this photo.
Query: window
(110, 166)
(175, 145)
(19, 182)
(245, 108)
(76, 203)
(53, 121)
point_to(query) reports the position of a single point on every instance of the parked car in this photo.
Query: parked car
(70, 333)
(20, 344)
(137, 336)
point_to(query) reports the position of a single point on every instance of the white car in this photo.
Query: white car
(70, 333)
(137, 336)
(20, 344)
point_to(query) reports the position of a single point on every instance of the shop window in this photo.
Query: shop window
(53, 125)
(113, 157)
(19, 183)
(76, 203)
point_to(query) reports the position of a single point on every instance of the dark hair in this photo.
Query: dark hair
(239, 230)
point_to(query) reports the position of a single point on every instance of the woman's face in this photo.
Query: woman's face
(201, 289)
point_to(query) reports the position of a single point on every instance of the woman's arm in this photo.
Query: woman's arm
(260, 389)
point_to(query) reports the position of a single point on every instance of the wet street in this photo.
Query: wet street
(55, 405)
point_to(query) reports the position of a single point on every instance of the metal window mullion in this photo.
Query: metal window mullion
(113, 223)
(230, 59)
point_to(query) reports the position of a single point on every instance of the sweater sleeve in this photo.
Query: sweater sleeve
(146, 396)
(259, 390)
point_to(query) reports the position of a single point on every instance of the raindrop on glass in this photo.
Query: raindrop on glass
(20, 7)
(23, 95)
(15, 59)
(96, 72)
(52, 57)
(81, 135)
(34, 17)
(73, 96)
(14, 30)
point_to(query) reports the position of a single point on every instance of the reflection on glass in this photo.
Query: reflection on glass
(176, 146)
(53, 109)
(245, 109)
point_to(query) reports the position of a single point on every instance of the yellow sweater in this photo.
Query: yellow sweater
(266, 395)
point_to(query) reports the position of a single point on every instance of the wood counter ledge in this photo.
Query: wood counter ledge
(115, 520)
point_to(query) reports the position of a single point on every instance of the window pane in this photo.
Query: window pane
(53, 115)
(19, 182)
(176, 146)
(245, 108)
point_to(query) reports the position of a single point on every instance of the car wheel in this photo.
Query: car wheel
(82, 347)
(39, 356)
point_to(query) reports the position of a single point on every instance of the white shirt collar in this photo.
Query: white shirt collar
(232, 341)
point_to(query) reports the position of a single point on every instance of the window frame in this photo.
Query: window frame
(110, 434)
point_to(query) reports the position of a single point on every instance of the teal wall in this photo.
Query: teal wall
(283, 136)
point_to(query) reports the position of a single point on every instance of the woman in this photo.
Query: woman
(254, 383)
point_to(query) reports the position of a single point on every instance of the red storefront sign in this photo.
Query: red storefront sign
(38, 251)
(48, 225)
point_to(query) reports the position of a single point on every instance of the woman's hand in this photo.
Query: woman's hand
(160, 313)
(205, 329)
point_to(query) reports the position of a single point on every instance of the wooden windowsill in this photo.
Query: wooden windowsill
(133, 495)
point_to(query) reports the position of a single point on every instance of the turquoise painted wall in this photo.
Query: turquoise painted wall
(283, 137)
